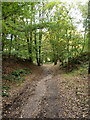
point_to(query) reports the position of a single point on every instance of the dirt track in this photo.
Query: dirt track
(44, 102)
(47, 96)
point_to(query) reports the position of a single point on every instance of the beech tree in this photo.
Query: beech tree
(40, 32)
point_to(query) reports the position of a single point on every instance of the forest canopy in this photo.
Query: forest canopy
(43, 32)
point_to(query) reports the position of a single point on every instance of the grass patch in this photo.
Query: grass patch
(4, 92)
(5, 87)
(17, 75)
(21, 71)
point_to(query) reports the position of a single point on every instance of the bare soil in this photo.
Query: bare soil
(48, 93)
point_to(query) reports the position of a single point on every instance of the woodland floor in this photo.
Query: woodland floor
(46, 93)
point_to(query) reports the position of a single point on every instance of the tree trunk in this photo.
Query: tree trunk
(10, 45)
(16, 42)
(89, 64)
(30, 43)
(30, 48)
(55, 62)
(89, 35)
(68, 66)
(84, 40)
(35, 41)
(36, 50)
(56, 58)
(40, 38)
(54, 55)
(3, 38)
(16, 45)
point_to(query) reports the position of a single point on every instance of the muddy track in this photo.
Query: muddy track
(30, 98)
(47, 96)
(33, 107)
(13, 110)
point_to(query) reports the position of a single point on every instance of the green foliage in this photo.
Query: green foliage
(40, 36)
(9, 78)
(17, 75)
(13, 78)
(4, 92)
(5, 87)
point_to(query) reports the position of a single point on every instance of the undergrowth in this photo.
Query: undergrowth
(16, 76)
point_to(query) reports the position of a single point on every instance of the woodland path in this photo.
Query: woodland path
(45, 100)
(47, 96)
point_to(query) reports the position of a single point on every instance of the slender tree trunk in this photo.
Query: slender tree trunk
(89, 67)
(46, 57)
(35, 41)
(36, 50)
(56, 58)
(54, 55)
(30, 43)
(10, 45)
(3, 38)
(84, 39)
(30, 48)
(16, 45)
(89, 35)
(40, 38)
(16, 42)
(68, 64)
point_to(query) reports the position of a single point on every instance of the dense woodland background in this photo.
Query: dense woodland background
(44, 32)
